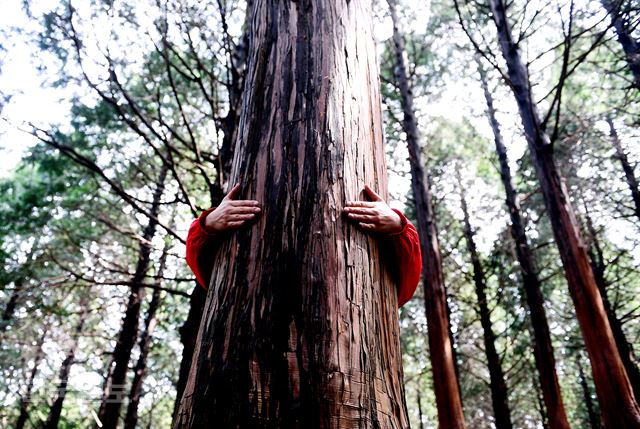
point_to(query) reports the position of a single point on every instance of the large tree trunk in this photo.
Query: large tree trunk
(140, 370)
(497, 384)
(25, 399)
(624, 30)
(445, 380)
(300, 326)
(542, 348)
(629, 173)
(599, 268)
(110, 407)
(65, 368)
(619, 408)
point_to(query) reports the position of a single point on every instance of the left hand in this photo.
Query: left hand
(374, 215)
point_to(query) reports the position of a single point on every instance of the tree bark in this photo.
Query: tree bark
(300, 326)
(497, 384)
(599, 267)
(629, 173)
(109, 412)
(542, 347)
(140, 370)
(26, 398)
(619, 408)
(623, 28)
(445, 380)
(65, 368)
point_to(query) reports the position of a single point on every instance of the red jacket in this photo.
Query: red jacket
(405, 249)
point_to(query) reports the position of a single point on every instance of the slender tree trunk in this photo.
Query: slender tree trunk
(623, 26)
(10, 308)
(26, 398)
(629, 173)
(420, 416)
(619, 408)
(445, 380)
(110, 407)
(542, 347)
(499, 395)
(140, 370)
(300, 326)
(65, 369)
(599, 268)
(594, 419)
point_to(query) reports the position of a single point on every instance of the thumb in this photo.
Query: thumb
(371, 194)
(233, 193)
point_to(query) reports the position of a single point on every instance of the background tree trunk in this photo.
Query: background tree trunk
(25, 399)
(300, 326)
(110, 407)
(629, 174)
(140, 370)
(499, 395)
(445, 380)
(624, 31)
(542, 347)
(619, 408)
(65, 368)
(594, 419)
(599, 267)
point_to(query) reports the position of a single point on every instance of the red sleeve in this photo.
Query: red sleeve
(408, 259)
(201, 246)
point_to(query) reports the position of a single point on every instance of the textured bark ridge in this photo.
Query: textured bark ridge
(300, 326)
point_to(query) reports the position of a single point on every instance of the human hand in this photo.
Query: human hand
(374, 215)
(231, 213)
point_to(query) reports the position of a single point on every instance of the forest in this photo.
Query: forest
(506, 131)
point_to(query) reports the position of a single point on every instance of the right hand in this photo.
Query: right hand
(231, 213)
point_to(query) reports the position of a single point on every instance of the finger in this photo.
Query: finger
(367, 226)
(233, 193)
(360, 210)
(238, 217)
(235, 224)
(362, 218)
(372, 194)
(361, 204)
(244, 209)
(242, 203)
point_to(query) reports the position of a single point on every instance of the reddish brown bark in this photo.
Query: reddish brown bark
(445, 380)
(618, 405)
(300, 325)
(542, 347)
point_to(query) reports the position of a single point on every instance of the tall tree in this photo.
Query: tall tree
(445, 380)
(497, 383)
(599, 266)
(618, 405)
(25, 399)
(542, 347)
(621, 12)
(304, 330)
(110, 406)
(627, 167)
